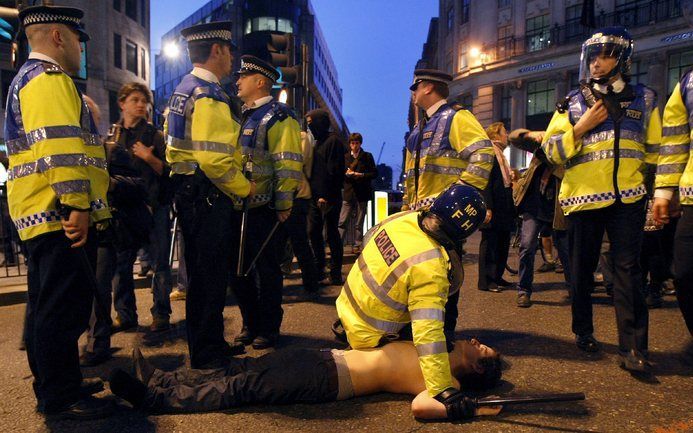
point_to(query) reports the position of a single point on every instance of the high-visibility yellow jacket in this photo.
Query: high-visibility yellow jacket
(271, 135)
(598, 169)
(400, 277)
(54, 149)
(451, 146)
(202, 132)
(674, 166)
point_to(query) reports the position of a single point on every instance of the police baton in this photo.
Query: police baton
(529, 399)
(262, 248)
(174, 234)
(248, 172)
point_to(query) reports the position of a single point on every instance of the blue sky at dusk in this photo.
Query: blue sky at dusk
(374, 44)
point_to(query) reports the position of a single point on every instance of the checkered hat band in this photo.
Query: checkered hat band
(210, 34)
(257, 68)
(42, 17)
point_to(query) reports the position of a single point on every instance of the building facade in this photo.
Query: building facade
(117, 53)
(249, 19)
(512, 60)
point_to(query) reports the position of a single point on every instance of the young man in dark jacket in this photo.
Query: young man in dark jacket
(327, 177)
(360, 170)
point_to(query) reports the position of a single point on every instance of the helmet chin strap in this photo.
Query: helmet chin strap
(606, 79)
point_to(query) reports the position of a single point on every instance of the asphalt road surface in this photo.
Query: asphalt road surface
(536, 342)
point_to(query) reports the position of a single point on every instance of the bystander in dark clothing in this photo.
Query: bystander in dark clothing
(495, 235)
(360, 171)
(326, 180)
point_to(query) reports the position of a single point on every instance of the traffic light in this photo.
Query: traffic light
(281, 51)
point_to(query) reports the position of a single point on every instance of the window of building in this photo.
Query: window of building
(541, 97)
(506, 106)
(143, 63)
(269, 23)
(284, 25)
(113, 108)
(131, 57)
(538, 33)
(116, 5)
(638, 73)
(131, 9)
(143, 13)
(464, 11)
(504, 45)
(117, 51)
(573, 29)
(504, 3)
(678, 63)
(451, 19)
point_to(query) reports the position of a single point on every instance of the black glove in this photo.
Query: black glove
(457, 406)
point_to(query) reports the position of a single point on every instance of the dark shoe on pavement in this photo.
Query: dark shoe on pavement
(264, 342)
(92, 359)
(634, 361)
(587, 343)
(558, 267)
(491, 287)
(523, 300)
(546, 267)
(233, 349)
(120, 326)
(90, 386)
(127, 387)
(84, 408)
(504, 283)
(160, 324)
(144, 271)
(142, 370)
(245, 337)
(336, 280)
(177, 295)
(654, 300)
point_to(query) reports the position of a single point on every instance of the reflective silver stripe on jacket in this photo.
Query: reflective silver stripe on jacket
(610, 135)
(652, 148)
(670, 168)
(287, 156)
(198, 145)
(440, 128)
(289, 174)
(669, 131)
(382, 325)
(467, 151)
(475, 170)
(184, 167)
(427, 314)
(24, 143)
(261, 134)
(226, 177)
(482, 157)
(283, 195)
(439, 169)
(379, 291)
(432, 348)
(603, 196)
(70, 186)
(36, 219)
(55, 161)
(603, 154)
(675, 149)
(556, 142)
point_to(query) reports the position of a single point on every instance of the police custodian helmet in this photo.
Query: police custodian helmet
(461, 209)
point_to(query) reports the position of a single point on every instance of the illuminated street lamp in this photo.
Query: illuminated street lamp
(171, 50)
(283, 96)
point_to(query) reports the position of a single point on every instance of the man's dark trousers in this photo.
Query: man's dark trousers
(260, 293)
(207, 228)
(61, 293)
(624, 226)
(683, 265)
(317, 220)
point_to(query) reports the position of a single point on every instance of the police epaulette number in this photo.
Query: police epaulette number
(51, 68)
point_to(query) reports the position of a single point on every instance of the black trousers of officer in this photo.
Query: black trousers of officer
(260, 293)
(60, 292)
(683, 265)
(624, 226)
(205, 216)
(493, 256)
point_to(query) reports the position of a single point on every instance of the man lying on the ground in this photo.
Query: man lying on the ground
(300, 375)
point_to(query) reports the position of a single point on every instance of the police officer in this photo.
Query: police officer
(448, 145)
(603, 134)
(57, 189)
(201, 149)
(409, 265)
(675, 174)
(271, 136)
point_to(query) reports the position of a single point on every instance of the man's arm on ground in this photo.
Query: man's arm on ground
(426, 407)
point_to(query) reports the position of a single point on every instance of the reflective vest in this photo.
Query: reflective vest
(401, 277)
(674, 166)
(271, 136)
(451, 146)
(202, 133)
(54, 149)
(598, 169)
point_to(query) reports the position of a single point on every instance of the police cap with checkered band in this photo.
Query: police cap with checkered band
(70, 17)
(211, 32)
(254, 65)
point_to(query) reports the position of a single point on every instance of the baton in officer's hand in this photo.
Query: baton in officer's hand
(248, 171)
